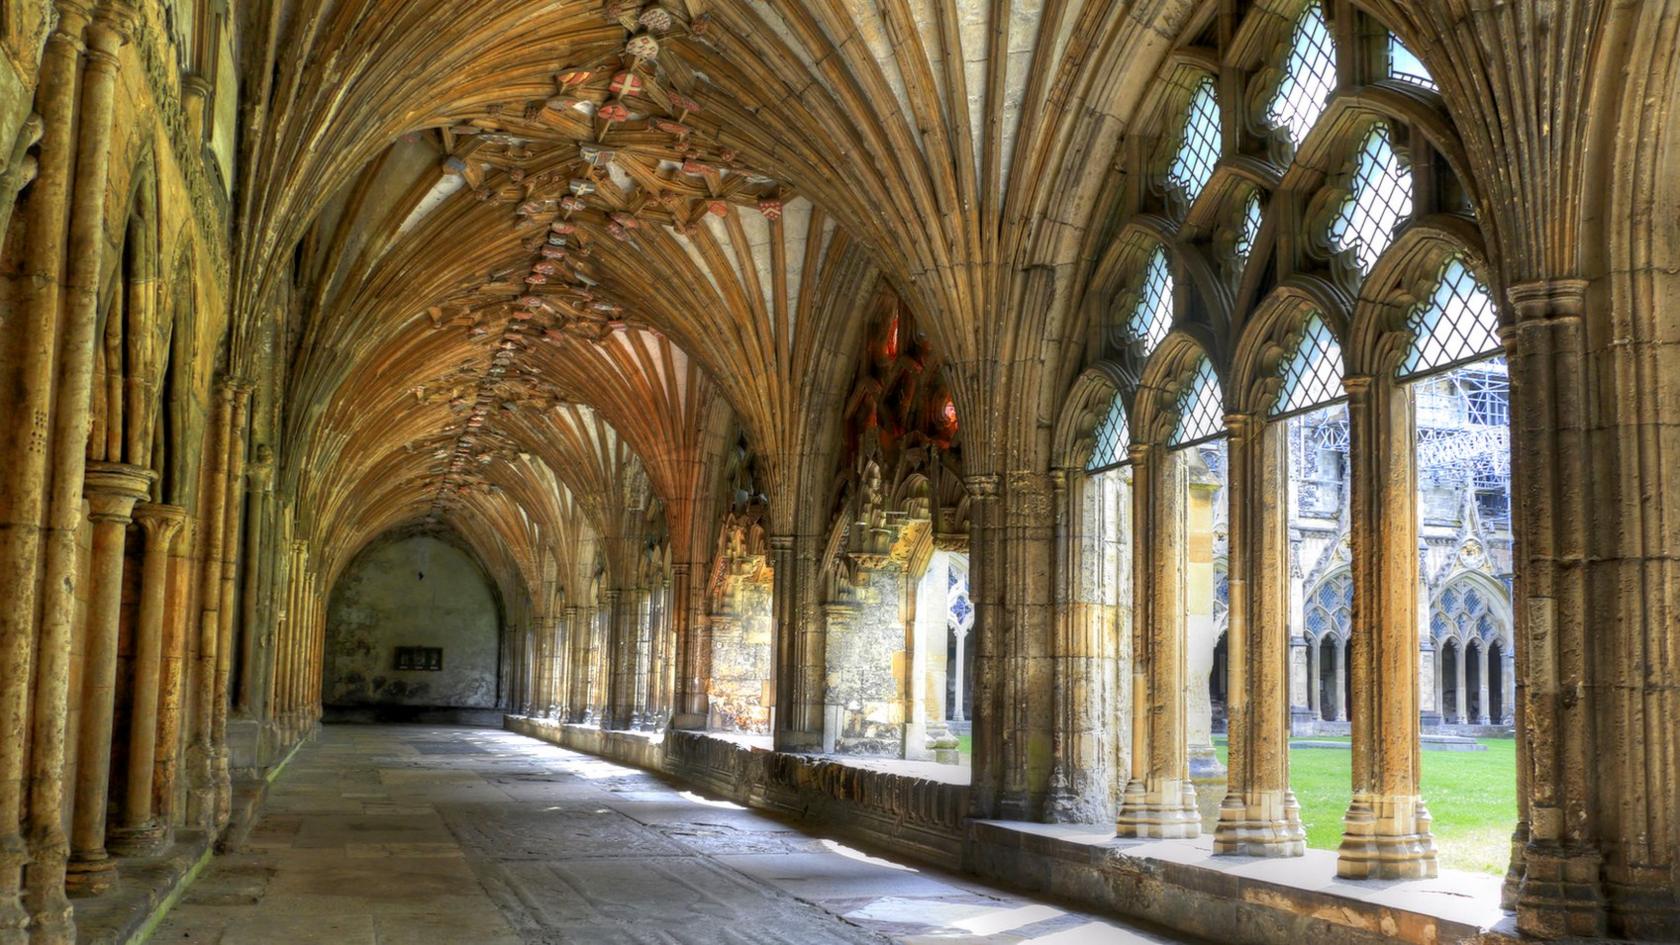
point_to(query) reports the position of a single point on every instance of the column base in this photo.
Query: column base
(1162, 809)
(14, 918)
(148, 839)
(1562, 894)
(1644, 904)
(1386, 837)
(1266, 824)
(90, 876)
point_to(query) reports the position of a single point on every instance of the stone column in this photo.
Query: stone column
(1259, 815)
(785, 649)
(50, 916)
(1387, 832)
(1461, 655)
(232, 520)
(1315, 681)
(140, 833)
(24, 483)
(1482, 705)
(1088, 520)
(692, 651)
(173, 688)
(255, 637)
(1200, 638)
(986, 776)
(201, 801)
(1340, 700)
(1439, 678)
(1160, 799)
(112, 489)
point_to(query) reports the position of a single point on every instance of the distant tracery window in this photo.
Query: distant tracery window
(1152, 315)
(1198, 151)
(962, 609)
(1455, 324)
(1201, 412)
(1380, 197)
(1406, 67)
(1464, 611)
(1309, 76)
(1312, 376)
(1114, 438)
(1329, 611)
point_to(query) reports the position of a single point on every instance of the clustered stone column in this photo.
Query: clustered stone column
(1259, 815)
(1387, 826)
(1159, 799)
(112, 490)
(140, 832)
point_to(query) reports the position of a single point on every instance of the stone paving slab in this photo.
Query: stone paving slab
(410, 835)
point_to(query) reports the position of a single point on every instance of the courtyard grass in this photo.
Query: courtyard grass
(1472, 796)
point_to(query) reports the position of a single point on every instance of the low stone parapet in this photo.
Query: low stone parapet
(1176, 884)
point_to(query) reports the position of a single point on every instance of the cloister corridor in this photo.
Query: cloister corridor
(402, 835)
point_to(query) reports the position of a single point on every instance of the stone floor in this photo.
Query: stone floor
(392, 835)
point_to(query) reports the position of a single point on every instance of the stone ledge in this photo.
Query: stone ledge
(146, 889)
(912, 816)
(1176, 884)
(1181, 885)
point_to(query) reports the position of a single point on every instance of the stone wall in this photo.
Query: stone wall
(413, 591)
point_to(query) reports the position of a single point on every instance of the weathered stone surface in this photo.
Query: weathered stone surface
(621, 857)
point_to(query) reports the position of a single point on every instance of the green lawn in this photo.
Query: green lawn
(1471, 794)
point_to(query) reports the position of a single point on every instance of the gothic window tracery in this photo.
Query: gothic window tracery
(1309, 77)
(1455, 324)
(1312, 376)
(1329, 610)
(1407, 67)
(1113, 438)
(1200, 407)
(1200, 145)
(1151, 316)
(1379, 198)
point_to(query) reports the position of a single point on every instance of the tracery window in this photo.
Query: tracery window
(1406, 67)
(1309, 76)
(1201, 411)
(1464, 611)
(1379, 199)
(1329, 610)
(1198, 149)
(1313, 375)
(1455, 324)
(1151, 317)
(1114, 438)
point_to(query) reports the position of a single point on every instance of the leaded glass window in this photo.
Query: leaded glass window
(1201, 407)
(1455, 324)
(1309, 76)
(1250, 232)
(1464, 611)
(1198, 150)
(1329, 611)
(1406, 67)
(1114, 438)
(1381, 197)
(1312, 376)
(1152, 315)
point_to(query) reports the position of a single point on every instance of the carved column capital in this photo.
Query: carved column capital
(983, 485)
(162, 523)
(112, 489)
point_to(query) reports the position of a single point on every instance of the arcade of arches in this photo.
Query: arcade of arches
(996, 431)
